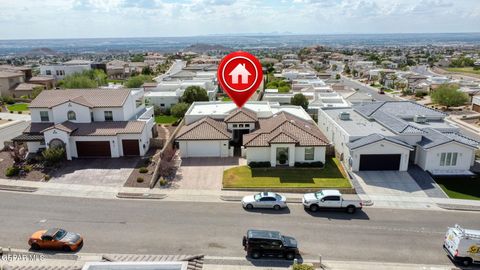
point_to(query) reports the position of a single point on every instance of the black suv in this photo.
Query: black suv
(260, 243)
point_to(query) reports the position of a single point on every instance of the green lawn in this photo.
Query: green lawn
(165, 119)
(19, 107)
(245, 177)
(464, 70)
(226, 99)
(460, 187)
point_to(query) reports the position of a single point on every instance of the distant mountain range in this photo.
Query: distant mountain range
(225, 42)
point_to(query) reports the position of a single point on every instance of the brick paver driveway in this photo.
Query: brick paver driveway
(204, 173)
(100, 172)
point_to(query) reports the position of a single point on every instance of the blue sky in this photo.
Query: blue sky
(20, 19)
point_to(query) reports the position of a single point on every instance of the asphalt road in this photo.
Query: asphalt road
(362, 88)
(11, 131)
(216, 229)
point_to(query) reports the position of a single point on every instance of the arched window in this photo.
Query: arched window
(71, 115)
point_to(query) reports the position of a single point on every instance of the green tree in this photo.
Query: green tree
(179, 109)
(347, 69)
(86, 79)
(449, 95)
(194, 93)
(137, 58)
(334, 67)
(137, 81)
(36, 91)
(147, 71)
(299, 100)
(337, 77)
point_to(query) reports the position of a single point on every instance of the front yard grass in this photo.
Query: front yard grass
(165, 119)
(331, 176)
(460, 187)
(19, 107)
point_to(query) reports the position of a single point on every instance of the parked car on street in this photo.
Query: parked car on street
(462, 245)
(265, 200)
(258, 243)
(330, 199)
(55, 238)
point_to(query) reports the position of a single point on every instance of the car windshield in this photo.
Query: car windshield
(278, 197)
(257, 196)
(60, 234)
(319, 195)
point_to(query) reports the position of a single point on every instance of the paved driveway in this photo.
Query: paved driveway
(204, 173)
(99, 172)
(389, 183)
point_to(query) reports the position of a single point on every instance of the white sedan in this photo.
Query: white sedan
(265, 200)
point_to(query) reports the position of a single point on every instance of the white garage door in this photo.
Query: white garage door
(203, 149)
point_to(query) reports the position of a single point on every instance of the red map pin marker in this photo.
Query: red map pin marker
(240, 74)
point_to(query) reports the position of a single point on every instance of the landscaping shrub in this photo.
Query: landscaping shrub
(12, 171)
(27, 168)
(420, 94)
(315, 164)
(260, 164)
(8, 99)
(143, 170)
(302, 267)
(140, 179)
(53, 155)
(47, 177)
(163, 182)
(19, 112)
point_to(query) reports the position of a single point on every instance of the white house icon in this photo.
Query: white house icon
(239, 71)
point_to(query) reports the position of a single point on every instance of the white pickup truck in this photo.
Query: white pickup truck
(330, 199)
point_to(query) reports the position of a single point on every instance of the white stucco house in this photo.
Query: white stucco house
(90, 123)
(59, 71)
(259, 131)
(392, 135)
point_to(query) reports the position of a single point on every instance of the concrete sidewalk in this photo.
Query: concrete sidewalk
(89, 191)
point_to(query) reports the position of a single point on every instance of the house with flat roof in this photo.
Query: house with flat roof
(59, 71)
(9, 81)
(259, 131)
(90, 123)
(390, 135)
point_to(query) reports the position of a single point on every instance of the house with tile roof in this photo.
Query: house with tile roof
(259, 131)
(391, 135)
(90, 123)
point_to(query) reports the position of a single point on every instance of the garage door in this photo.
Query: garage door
(130, 148)
(93, 149)
(380, 162)
(203, 149)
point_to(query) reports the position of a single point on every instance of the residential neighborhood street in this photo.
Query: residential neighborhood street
(216, 229)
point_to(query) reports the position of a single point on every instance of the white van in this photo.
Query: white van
(463, 245)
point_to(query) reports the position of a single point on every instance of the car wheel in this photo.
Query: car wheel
(351, 209)
(290, 256)
(256, 255)
(249, 206)
(277, 207)
(466, 261)
(35, 246)
(66, 248)
(313, 208)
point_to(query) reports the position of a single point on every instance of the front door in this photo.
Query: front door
(282, 155)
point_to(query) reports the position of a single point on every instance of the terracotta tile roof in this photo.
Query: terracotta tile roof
(8, 74)
(36, 128)
(92, 97)
(205, 129)
(27, 86)
(100, 128)
(284, 127)
(41, 79)
(241, 115)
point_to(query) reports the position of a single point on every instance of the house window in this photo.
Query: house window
(48, 72)
(44, 116)
(240, 125)
(309, 153)
(91, 117)
(71, 116)
(162, 105)
(247, 125)
(234, 125)
(448, 159)
(108, 115)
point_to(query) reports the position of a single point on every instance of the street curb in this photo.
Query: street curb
(459, 207)
(239, 199)
(141, 196)
(18, 188)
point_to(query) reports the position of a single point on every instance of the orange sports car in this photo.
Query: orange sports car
(55, 238)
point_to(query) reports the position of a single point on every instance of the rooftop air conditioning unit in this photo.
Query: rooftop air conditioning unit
(420, 118)
(344, 116)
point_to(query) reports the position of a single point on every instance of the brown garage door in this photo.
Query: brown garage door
(130, 148)
(93, 149)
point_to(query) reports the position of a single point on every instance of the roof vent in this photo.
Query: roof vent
(419, 118)
(344, 116)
